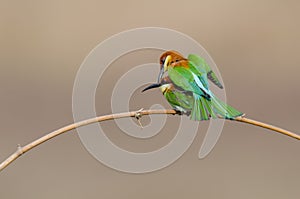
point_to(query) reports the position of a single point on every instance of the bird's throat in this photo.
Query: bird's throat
(165, 87)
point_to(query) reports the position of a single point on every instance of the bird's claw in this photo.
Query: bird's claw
(178, 112)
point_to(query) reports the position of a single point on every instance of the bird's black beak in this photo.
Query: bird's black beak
(151, 86)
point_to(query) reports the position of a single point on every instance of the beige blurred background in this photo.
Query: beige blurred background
(255, 44)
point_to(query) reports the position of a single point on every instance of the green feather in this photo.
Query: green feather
(196, 111)
(208, 106)
(204, 114)
(179, 100)
(184, 79)
(224, 110)
(191, 93)
(201, 65)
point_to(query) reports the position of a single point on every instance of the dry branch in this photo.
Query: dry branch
(137, 114)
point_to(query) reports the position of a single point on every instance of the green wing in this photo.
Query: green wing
(201, 65)
(179, 99)
(188, 81)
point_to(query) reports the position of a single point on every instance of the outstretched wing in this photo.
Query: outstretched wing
(188, 81)
(200, 64)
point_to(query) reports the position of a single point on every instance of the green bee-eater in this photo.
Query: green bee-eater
(180, 100)
(186, 87)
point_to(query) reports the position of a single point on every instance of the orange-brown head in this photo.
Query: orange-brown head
(168, 59)
(171, 57)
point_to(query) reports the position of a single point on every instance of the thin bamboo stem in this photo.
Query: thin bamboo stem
(268, 126)
(137, 114)
(21, 150)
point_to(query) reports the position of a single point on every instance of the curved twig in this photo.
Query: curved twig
(137, 114)
(24, 149)
(267, 126)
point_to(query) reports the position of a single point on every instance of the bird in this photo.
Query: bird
(180, 100)
(184, 83)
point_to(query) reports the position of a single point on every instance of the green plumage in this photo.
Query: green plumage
(197, 98)
(179, 100)
(200, 64)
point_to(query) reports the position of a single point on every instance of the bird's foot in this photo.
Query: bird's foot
(188, 113)
(178, 112)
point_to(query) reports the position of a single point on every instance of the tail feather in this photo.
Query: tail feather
(204, 114)
(196, 110)
(201, 109)
(204, 109)
(224, 110)
(208, 106)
